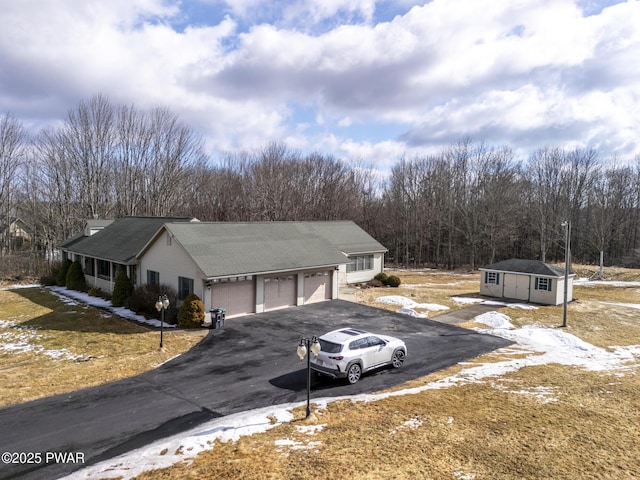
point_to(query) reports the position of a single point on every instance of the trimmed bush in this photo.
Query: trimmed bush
(122, 289)
(61, 276)
(382, 277)
(95, 292)
(191, 313)
(75, 278)
(393, 281)
(144, 299)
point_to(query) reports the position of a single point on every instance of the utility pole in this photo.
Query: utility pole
(567, 255)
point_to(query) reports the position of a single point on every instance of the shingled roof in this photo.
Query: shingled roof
(535, 267)
(121, 240)
(226, 249)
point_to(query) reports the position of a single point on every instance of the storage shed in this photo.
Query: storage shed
(528, 280)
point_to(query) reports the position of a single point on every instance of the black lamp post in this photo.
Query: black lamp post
(161, 305)
(305, 349)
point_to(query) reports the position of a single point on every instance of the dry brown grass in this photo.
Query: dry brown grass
(95, 347)
(582, 425)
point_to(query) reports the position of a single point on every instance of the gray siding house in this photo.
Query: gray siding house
(242, 267)
(528, 280)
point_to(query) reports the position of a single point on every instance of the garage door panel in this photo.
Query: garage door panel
(317, 287)
(237, 298)
(279, 292)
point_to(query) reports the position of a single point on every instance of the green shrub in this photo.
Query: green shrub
(144, 299)
(95, 292)
(382, 277)
(61, 275)
(393, 281)
(191, 313)
(75, 277)
(122, 289)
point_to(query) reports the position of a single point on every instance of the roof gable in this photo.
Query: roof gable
(535, 267)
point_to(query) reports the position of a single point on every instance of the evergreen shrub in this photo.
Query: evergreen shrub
(393, 281)
(381, 277)
(61, 276)
(191, 313)
(75, 278)
(122, 289)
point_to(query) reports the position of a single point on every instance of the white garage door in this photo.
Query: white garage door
(279, 292)
(317, 287)
(236, 296)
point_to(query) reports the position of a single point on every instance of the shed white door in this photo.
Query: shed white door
(317, 287)
(516, 286)
(279, 292)
(236, 297)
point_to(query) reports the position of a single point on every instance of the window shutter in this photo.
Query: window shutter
(536, 283)
(549, 285)
(497, 279)
(486, 277)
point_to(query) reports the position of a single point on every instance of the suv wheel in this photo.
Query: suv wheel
(353, 373)
(398, 358)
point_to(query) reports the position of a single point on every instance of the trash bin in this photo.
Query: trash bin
(217, 317)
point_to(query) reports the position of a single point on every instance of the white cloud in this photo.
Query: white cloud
(525, 73)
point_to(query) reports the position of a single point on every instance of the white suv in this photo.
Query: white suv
(349, 352)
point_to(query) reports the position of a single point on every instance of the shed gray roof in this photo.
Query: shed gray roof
(535, 267)
(227, 249)
(121, 240)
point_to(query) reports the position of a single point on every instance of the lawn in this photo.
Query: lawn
(49, 346)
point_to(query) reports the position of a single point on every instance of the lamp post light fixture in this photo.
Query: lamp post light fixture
(567, 256)
(305, 349)
(161, 305)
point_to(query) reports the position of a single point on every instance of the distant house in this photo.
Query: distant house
(243, 267)
(16, 234)
(528, 280)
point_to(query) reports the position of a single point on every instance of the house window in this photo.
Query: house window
(492, 278)
(88, 266)
(133, 274)
(360, 263)
(543, 284)
(153, 278)
(185, 287)
(104, 269)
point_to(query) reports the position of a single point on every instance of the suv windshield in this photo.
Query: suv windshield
(330, 347)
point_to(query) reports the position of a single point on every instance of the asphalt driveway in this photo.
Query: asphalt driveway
(248, 364)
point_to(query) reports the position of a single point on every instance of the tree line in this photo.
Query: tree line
(470, 205)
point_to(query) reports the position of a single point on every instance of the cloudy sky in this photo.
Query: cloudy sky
(359, 79)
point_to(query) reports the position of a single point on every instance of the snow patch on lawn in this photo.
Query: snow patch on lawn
(497, 303)
(627, 305)
(410, 307)
(71, 296)
(494, 320)
(585, 282)
(24, 339)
